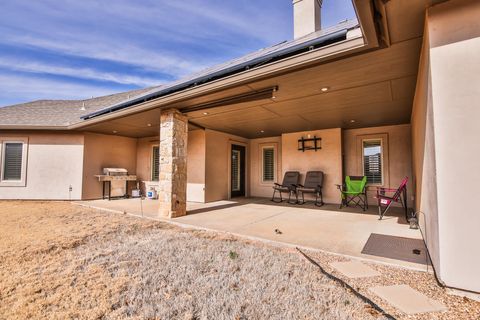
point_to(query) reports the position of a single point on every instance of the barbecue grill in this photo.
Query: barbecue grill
(115, 181)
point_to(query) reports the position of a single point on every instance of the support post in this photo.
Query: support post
(173, 164)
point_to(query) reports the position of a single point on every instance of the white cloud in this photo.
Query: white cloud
(83, 73)
(91, 47)
(27, 89)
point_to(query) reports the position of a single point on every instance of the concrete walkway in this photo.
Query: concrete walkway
(337, 231)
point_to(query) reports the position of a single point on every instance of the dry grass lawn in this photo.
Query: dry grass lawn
(61, 261)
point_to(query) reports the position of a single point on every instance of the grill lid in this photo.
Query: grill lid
(115, 171)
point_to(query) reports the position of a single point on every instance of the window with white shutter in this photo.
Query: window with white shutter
(155, 163)
(268, 164)
(373, 161)
(13, 161)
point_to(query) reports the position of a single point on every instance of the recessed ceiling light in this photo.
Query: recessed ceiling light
(205, 113)
(149, 124)
(324, 89)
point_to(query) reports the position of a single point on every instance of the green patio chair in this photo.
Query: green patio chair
(354, 192)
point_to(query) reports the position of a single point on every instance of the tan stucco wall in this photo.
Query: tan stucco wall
(423, 156)
(196, 166)
(397, 156)
(328, 159)
(454, 29)
(144, 158)
(445, 139)
(106, 151)
(217, 164)
(195, 163)
(257, 187)
(54, 163)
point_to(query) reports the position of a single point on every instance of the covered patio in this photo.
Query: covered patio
(344, 231)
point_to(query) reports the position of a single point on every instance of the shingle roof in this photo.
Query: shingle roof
(56, 113)
(67, 112)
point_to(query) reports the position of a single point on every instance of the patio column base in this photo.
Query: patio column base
(172, 192)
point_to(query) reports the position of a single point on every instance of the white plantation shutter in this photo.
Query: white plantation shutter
(372, 161)
(155, 163)
(236, 170)
(268, 164)
(12, 161)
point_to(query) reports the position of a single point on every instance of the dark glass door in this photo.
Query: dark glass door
(237, 171)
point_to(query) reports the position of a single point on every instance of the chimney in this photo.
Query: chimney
(306, 17)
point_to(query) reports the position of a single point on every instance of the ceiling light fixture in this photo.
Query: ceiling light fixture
(324, 89)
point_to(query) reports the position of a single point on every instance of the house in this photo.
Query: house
(402, 79)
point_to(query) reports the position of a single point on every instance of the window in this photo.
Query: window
(268, 164)
(373, 161)
(155, 163)
(13, 162)
(236, 174)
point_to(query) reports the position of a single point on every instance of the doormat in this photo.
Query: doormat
(399, 248)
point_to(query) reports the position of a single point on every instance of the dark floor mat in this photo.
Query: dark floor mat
(399, 248)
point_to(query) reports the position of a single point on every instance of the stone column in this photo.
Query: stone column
(173, 164)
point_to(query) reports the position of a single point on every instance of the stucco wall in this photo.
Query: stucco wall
(397, 156)
(423, 156)
(328, 159)
(257, 187)
(454, 29)
(195, 163)
(196, 166)
(105, 151)
(144, 158)
(217, 164)
(54, 163)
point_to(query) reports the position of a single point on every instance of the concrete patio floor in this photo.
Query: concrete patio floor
(327, 228)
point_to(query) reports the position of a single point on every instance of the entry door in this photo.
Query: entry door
(238, 171)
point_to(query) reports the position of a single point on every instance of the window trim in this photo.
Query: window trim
(382, 159)
(23, 178)
(275, 163)
(151, 162)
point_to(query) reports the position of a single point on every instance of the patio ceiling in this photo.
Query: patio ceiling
(369, 89)
(372, 89)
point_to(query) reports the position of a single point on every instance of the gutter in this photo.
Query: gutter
(254, 63)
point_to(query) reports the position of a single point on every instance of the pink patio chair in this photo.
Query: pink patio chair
(399, 196)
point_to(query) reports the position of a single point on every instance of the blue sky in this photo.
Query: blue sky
(75, 49)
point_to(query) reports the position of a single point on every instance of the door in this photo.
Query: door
(237, 171)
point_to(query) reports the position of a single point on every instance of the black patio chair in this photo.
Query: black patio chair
(313, 184)
(289, 184)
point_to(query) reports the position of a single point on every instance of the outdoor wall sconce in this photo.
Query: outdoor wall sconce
(309, 143)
